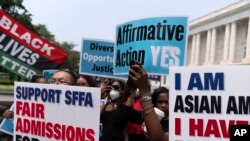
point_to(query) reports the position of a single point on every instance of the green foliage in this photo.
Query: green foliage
(43, 31)
(6, 82)
(17, 10)
(7, 88)
(72, 62)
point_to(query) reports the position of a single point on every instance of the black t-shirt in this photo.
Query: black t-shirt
(165, 125)
(114, 122)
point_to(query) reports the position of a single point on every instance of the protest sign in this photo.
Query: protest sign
(48, 74)
(156, 43)
(56, 112)
(6, 125)
(205, 101)
(97, 58)
(24, 52)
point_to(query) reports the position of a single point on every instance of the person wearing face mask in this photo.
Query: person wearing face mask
(155, 130)
(160, 102)
(116, 114)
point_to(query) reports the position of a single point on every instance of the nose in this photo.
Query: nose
(164, 106)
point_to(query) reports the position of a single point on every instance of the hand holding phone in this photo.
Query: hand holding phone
(132, 62)
(130, 82)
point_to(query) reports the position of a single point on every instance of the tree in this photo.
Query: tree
(72, 61)
(43, 31)
(18, 11)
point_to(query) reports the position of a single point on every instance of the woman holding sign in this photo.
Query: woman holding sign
(116, 114)
(153, 125)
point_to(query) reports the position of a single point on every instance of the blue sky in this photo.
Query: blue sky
(97, 19)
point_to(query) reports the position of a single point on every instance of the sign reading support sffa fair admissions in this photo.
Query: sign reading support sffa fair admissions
(56, 112)
(205, 101)
(25, 53)
(156, 43)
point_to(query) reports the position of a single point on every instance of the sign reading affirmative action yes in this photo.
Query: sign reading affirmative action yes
(156, 43)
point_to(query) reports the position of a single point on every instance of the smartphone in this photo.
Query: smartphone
(130, 82)
(132, 62)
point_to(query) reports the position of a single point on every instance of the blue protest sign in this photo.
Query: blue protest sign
(97, 58)
(156, 43)
(48, 74)
(7, 125)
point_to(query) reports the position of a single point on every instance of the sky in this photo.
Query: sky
(73, 20)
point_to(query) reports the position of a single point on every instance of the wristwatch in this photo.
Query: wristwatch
(145, 98)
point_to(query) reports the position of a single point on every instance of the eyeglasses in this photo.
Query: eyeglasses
(60, 81)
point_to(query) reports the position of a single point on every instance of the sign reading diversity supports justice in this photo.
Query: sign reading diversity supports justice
(45, 112)
(156, 43)
(205, 101)
(25, 53)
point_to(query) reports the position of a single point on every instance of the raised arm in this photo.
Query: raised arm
(154, 129)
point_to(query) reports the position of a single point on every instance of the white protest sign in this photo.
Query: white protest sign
(56, 112)
(204, 101)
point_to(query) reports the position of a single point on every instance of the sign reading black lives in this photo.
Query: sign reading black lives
(239, 132)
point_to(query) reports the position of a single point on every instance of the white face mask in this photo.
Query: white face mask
(114, 94)
(137, 93)
(160, 114)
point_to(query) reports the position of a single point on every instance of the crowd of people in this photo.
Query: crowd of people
(130, 112)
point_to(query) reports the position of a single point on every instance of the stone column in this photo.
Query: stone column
(193, 50)
(197, 49)
(232, 43)
(208, 45)
(226, 44)
(247, 57)
(213, 45)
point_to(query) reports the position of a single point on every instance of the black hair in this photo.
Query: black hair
(91, 81)
(157, 92)
(71, 73)
(121, 82)
(34, 78)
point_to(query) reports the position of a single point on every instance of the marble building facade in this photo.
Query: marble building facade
(221, 37)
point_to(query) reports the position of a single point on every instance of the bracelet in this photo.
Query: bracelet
(145, 98)
(150, 106)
